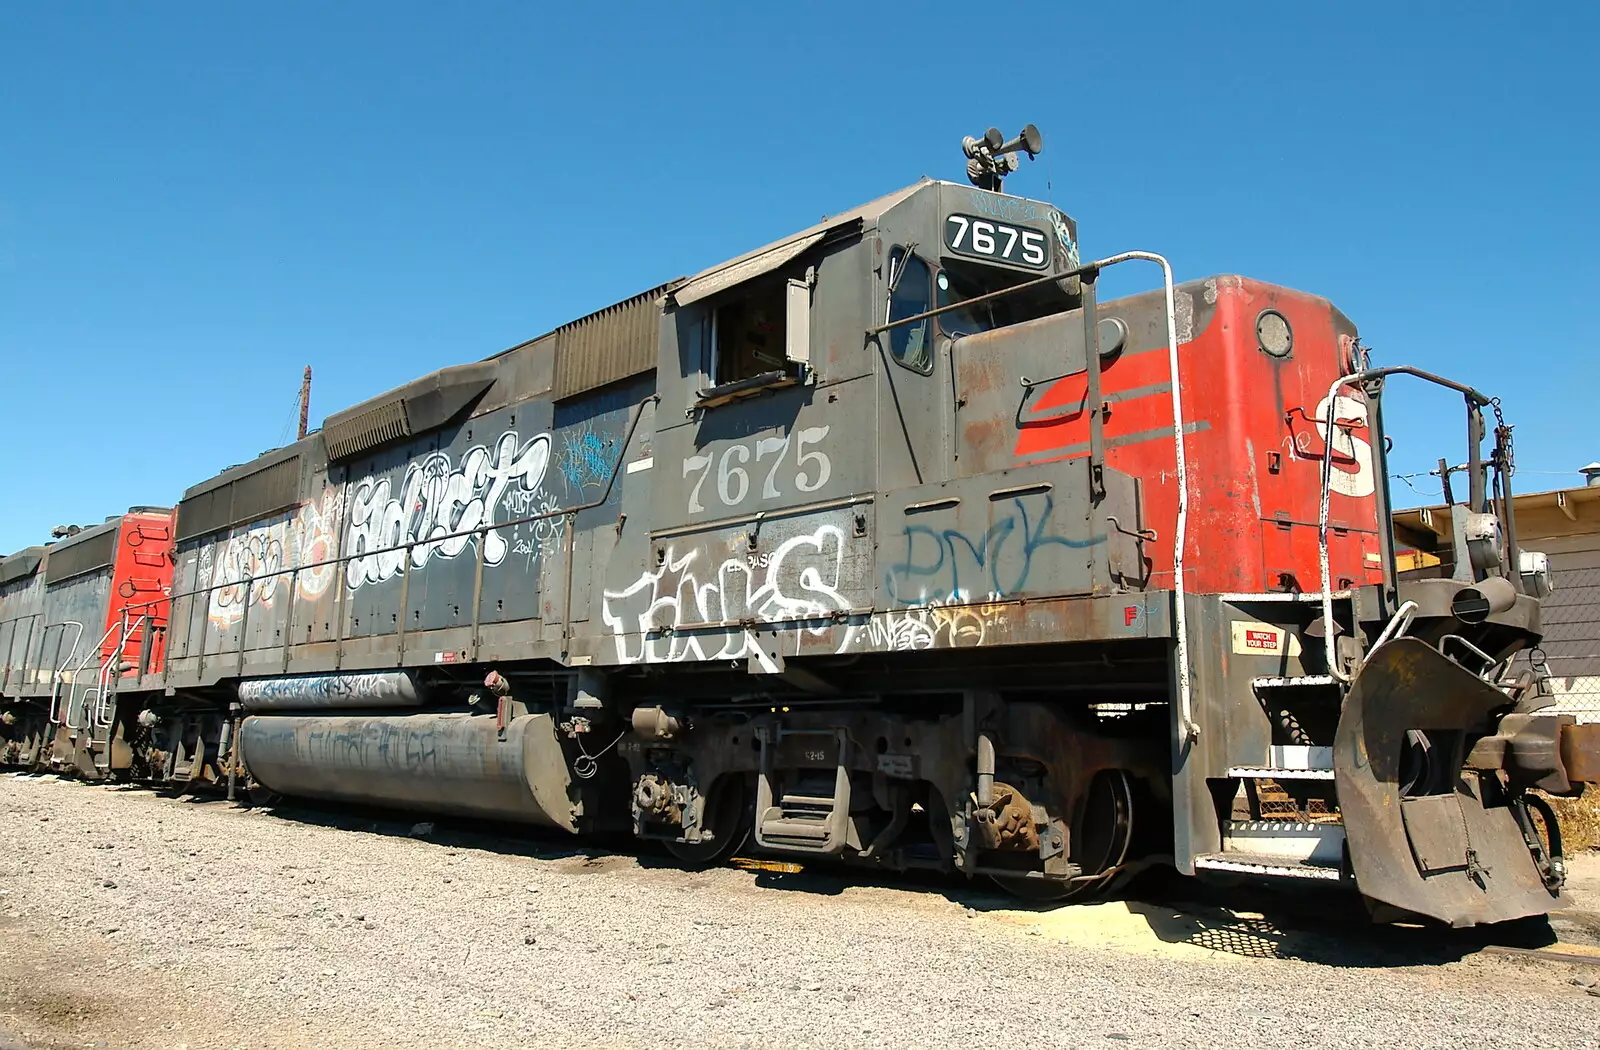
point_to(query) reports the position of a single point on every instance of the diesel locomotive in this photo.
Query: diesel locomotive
(888, 543)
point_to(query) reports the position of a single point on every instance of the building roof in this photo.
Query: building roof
(1425, 528)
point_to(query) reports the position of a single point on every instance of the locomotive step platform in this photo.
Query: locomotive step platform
(1293, 849)
(1290, 762)
(1290, 681)
(1248, 864)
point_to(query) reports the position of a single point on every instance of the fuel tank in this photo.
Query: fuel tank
(436, 763)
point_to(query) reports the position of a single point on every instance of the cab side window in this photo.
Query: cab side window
(749, 334)
(910, 293)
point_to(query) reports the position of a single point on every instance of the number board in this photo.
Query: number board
(980, 238)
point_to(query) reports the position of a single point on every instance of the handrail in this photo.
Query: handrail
(1180, 624)
(55, 672)
(341, 561)
(1474, 399)
(1398, 624)
(73, 692)
(111, 669)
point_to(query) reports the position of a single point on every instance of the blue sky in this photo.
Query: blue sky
(197, 200)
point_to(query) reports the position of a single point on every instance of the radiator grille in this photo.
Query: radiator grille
(243, 499)
(81, 557)
(376, 426)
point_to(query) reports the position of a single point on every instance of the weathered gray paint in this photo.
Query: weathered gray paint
(439, 763)
(21, 622)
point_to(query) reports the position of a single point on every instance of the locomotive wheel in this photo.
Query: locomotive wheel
(729, 816)
(1100, 841)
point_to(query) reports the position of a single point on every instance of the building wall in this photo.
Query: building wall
(1572, 621)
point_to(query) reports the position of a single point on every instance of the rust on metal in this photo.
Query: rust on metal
(1580, 752)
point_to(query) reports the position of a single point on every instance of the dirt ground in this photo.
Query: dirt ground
(129, 919)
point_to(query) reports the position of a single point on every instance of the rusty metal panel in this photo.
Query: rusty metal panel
(614, 344)
(1010, 534)
(1436, 829)
(1580, 752)
(1408, 685)
(709, 594)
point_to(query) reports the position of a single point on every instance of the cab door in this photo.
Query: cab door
(914, 387)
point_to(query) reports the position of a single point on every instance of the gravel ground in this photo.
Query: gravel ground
(133, 920)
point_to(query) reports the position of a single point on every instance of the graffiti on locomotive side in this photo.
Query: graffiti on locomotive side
(998, 206)
(940, 565)
(587, 457)
(371, 685)
(935, 625)
(262, 555)
(437, 499)
(800, 580)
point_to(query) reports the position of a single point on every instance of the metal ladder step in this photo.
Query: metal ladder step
(821, 802)
(1290, 762)
(1285, 841)
(803, 823)
(1276, 773)
(1290, 849)
(1271, 867)
(805, 830)
(1290, 681)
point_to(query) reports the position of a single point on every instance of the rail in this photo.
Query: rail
(340, 562)
(111, 667)
(55, 672)
(1475, 403)
(72, 683)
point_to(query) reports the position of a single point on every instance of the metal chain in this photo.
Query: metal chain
(1502, 439)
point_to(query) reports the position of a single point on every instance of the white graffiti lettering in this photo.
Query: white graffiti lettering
(437, 500)
(944, 625)
(798, 580)
(264, 553)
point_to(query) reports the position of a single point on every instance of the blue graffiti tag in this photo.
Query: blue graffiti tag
(1011, 209)
(1069, 250)
(586, 459)
(934, 558)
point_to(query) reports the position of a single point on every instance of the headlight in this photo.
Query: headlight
(1535, 570)
(1484, 543)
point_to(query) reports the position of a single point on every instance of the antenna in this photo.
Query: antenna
(305, 401)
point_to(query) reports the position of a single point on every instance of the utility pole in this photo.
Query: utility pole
(305, 401)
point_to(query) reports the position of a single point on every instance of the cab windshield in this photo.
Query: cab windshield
(959, 282)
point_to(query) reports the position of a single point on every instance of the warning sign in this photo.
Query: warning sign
(1263, 639)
